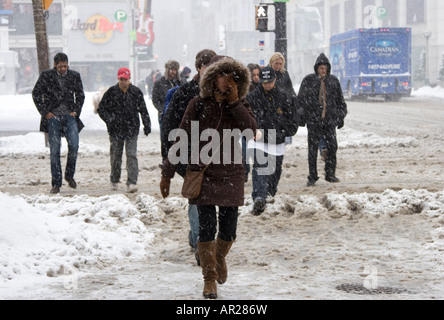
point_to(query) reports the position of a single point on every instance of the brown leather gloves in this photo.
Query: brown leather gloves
(165, 186)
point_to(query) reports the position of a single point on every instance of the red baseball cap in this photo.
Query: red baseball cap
(124, 73)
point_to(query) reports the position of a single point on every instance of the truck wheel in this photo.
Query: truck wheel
(392, 98)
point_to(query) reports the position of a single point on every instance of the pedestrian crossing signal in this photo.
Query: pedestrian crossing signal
(262, 18)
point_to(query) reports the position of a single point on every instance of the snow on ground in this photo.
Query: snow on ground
(45, 237)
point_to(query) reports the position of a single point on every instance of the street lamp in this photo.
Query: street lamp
(427, 35)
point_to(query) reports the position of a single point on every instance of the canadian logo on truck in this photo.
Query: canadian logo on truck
(384, 47)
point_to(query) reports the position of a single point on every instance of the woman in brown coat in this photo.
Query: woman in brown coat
(220, 106)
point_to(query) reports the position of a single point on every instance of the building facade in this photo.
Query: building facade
(99, 38)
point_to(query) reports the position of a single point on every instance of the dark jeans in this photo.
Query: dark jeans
(208, 223)
(244, 156)
(266, 184)
(322, 144)
(116, 153)
(193, 218)
(315, 133)
(68, 126)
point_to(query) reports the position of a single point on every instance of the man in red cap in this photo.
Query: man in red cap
(119, 109)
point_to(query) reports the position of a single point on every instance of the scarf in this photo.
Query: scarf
(323, 98)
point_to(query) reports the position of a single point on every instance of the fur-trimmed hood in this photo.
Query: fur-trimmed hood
(227, 65)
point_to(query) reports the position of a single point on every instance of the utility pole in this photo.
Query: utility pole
(280, 42)
(41, 36)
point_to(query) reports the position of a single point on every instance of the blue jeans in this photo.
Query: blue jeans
(244, 156)
(132, 164)
(266, 184)
(193, 217)
(68, 126)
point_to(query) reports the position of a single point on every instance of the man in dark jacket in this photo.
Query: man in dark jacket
(171, 120)
(119, 109)
(176, 109)
(169, 80)
(274, 111)
(58, 96)
(321, 97)
(185, 75)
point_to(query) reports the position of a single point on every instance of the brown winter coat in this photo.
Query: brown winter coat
(223, 183)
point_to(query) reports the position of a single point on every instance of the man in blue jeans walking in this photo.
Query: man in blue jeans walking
(58, 96)
(278, 117)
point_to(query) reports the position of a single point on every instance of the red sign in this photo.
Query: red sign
(5, 5)
(145, 33)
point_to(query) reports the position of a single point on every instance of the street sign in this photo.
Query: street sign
(120, 15)
(381, 12)
(46, 4)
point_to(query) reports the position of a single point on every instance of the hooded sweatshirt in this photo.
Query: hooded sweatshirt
(308, 97)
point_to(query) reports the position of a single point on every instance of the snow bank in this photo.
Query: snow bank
(45, 236)
(429, 92)
(355, 206)
(34, 144)
(18, 113)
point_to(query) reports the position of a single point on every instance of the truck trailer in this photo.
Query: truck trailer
(373, 62)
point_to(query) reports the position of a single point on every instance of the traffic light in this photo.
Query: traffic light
(262, 18)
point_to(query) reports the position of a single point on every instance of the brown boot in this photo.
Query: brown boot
(222, 248)
(207, 255)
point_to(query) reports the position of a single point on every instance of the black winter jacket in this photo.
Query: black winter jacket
(176, 109)
(283, 81)
(160, 91)
(308, 97)
(274, 110)
(48, 95)
(120, 111)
